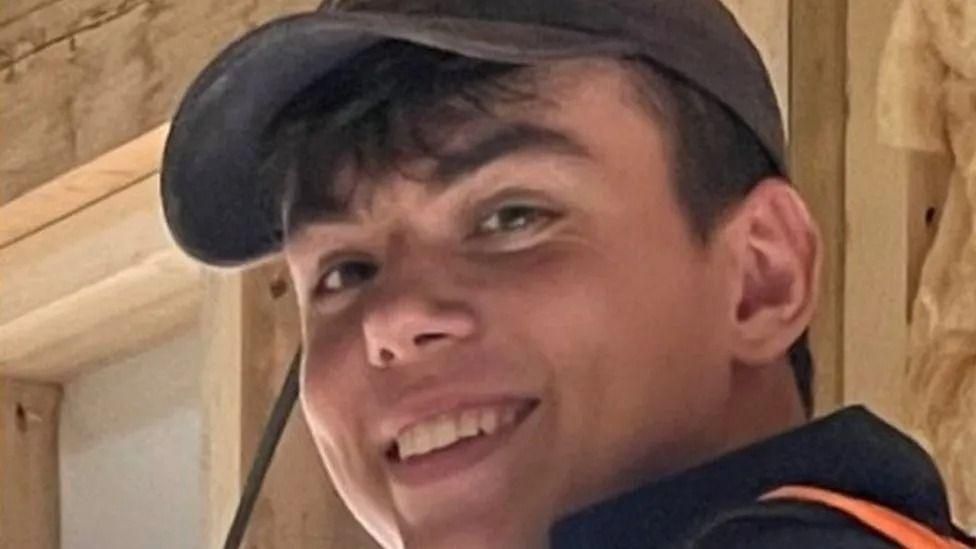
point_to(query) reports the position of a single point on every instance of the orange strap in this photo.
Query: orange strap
(896, 527)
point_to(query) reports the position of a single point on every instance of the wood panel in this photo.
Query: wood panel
(80, 77)
(878, 204)
(29, 498)
(82, 186)
(222, 377)
(818, 80)
(98, 285)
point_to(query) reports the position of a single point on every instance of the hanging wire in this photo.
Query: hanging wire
(262, 459)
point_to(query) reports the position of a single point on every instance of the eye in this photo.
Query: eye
(513, 218)
(346, 275)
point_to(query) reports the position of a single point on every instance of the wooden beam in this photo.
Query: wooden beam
(100, 284)
(250, 320)
(886, 226)
(82, 186)
(29, 498)
(80, 77)
(818, 96)
(222, 372)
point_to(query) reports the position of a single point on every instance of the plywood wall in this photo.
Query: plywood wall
(119, 68)
(29, 496)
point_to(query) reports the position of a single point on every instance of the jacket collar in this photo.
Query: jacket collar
(852, 451)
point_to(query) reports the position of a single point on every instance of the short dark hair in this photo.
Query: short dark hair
(393, 103)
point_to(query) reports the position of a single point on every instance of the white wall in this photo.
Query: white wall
(130, 446)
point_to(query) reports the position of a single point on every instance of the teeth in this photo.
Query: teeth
(407, 443)
(422, 441)
(489, 421)
(468, 424)
(445, 430)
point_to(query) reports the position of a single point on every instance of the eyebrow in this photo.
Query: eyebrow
(504, 141)
(451, 167)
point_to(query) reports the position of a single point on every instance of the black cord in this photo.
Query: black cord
(262, 459)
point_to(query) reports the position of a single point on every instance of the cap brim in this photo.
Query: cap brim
(216, 208)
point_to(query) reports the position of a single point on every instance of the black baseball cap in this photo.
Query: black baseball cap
(222, 214)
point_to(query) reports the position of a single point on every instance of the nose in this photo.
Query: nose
(407, 327)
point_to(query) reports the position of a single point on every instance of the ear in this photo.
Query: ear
(776, 251)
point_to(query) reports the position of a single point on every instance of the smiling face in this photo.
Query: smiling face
(486, 354)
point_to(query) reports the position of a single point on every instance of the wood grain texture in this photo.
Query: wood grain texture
(98, 285)
(82, 186)
(818, 80)
(122, 230)
(221, 380)
(29, 497)
(80, 77)
(877, 209)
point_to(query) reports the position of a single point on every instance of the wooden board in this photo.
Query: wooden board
(29, 489)
(80, 77)
(222, 377)
(82, 186)
(98, 285)
(818, 80)
(879, 208)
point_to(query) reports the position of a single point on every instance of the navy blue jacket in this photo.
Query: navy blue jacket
(715, 505)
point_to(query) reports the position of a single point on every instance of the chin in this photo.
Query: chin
(473, 533)
(475, 518)
(472, 517)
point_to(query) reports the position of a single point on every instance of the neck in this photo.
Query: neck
(512, 534)
(764, 403)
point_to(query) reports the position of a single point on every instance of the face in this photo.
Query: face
(485, 356)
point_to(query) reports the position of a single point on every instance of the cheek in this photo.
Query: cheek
(586, 303)
(624, 339)
(332, 416)
(336, 401)
(664, 370)
(329, 382)
(666, 311)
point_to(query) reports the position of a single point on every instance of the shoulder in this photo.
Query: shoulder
(793, 525)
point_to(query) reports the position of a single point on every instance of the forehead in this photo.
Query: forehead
(562, 85)
(568, 107)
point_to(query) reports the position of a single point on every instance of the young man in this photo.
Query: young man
(553, 279)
